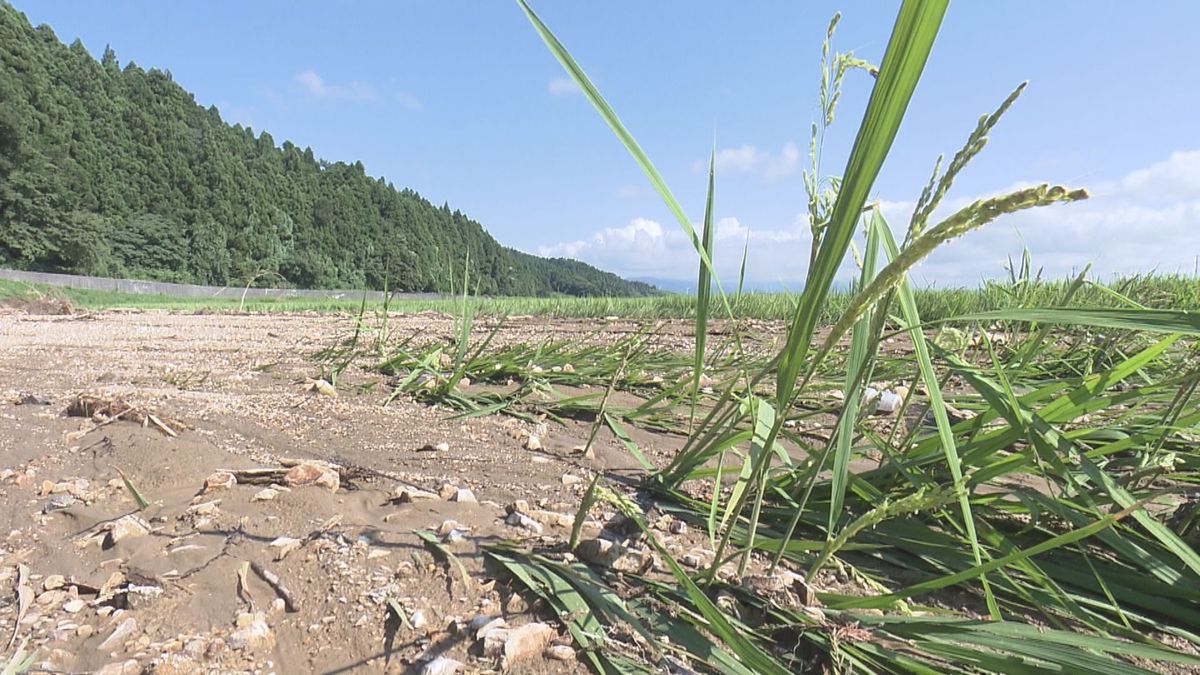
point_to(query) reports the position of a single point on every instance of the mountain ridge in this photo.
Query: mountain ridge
(118, 171)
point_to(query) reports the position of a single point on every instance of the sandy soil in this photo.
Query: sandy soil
(104, 594)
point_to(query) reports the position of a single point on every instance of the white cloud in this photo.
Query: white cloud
(1147, 220)
(316, 86)
(563, 86)
(750, 159)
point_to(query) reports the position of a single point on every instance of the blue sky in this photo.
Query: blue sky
(463, 103)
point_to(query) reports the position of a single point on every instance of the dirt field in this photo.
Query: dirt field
(106, 587)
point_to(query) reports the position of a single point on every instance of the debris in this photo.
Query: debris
(418, 620)
(265, 495)
(432, 447)
(106, 411)
(534, 442)
(406, 494)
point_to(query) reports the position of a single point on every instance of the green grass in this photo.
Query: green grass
(1151, 291)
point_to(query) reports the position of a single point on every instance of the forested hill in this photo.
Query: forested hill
(117, 171)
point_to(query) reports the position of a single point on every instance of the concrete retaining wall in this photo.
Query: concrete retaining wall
(189, 290)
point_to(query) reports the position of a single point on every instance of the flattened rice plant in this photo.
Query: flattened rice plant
(1026, 517)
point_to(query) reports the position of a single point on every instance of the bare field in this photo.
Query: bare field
(237, 383)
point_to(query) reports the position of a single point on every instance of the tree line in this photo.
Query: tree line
(117, 171)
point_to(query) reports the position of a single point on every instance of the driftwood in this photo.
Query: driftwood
(289, 600)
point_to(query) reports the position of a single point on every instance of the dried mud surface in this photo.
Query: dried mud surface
(109, 588)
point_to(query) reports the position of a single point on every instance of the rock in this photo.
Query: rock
(126, 527)
(252, 632)
(560, 653)
(376, 553)
(534, 442)
(408, 494)
(56, 502)
(265, 495)
(518, 519)
(572, 479)
(285, 545)
(447, 491)
(464, 495)
(323, 388)
(677, 527)
(515, 604)
(526, 643)
(519, 506)
(175, 664)
(130, 667)
(54, 581)
(599, 551)
(485, 623)
(418, 620)
(889, 402)
(442, 665)
(690, 560)
(553, 518)
(85, 631)
(208, 509)
(442, 447)
(51, 597)
(122, 632)
(74, 606)
(220, 480)
(313, 472)
(493, 641)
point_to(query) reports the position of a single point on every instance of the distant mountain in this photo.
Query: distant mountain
(117, 171)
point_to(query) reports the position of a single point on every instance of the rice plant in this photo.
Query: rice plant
(1029, 508)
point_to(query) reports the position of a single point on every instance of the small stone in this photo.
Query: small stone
(484, 623)
(119, 635)
(677, 527)
(376, 553)
(560, 653)
(74, 606)
(519, 506)
(265, 495)
(323, 388)
(690, 560)
(515, 604)
(252, 633)
(526, 642)
(51, 597)
(127, 527)
(209, 509)
(447, 491)
(572, 479)
(285, 545)
(442, 665)
(406, 494)
(130, 667)
(493, 641)
(85, 631)
(418, 620)
(220, 480)
(54, 581)
(464, 495)
(553, 518)
(518, 519)
(534, 442)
